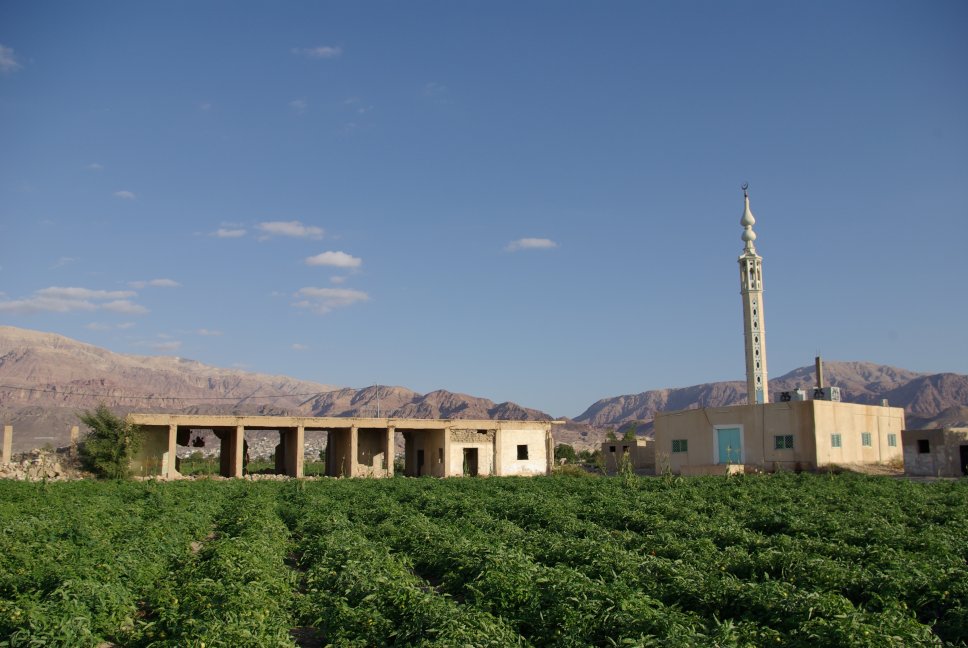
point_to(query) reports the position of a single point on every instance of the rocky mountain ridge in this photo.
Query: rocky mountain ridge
(45, 379)
(924, 396)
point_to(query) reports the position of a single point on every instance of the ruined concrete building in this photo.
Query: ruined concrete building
(358, 447)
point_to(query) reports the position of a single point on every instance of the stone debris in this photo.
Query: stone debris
(43, 465)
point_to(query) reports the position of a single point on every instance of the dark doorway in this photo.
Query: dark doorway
(470, 462)
(964, 459)
(420, 462)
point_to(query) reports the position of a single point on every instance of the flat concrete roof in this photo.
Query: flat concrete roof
(258, 422)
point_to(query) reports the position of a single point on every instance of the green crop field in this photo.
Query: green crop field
(784, 560)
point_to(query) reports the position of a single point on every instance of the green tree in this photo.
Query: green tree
(566, 452)
(630, 432)
(108, 448)
(610, 435)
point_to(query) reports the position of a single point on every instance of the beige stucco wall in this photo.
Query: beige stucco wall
(481, 440)
(850, 420)
(432, 443)
(810, 422)
(371, 453)
(944, 458)
(641, 454)
(537, 461)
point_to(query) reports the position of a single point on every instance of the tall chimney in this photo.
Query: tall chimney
(819, 362)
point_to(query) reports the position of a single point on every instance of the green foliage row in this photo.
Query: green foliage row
(786, 560)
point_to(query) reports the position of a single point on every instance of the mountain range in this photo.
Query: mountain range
(46, 379)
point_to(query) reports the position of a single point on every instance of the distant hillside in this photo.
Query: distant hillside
(46, 379)
(924, 396)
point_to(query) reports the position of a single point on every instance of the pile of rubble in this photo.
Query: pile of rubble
(43, 465)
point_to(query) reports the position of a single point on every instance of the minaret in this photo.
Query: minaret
(751, 283)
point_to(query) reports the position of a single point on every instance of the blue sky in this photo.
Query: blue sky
(534, 201)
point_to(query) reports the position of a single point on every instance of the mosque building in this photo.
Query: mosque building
(796, 433)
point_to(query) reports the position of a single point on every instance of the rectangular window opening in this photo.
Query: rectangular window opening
(892, 440)
(680, 445)
(522, 452)
(834, 440)
(783, 442)
(865, 439)
(924, 446)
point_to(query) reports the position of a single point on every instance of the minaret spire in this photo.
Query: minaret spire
(751, 288)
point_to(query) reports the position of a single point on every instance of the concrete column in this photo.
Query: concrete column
(550, 451)
(498, 452)
(297, 451)
(354, 450)
(238, 439)
(75, 434)
(172, 468)
(447, 452)
(391, 448)
(7, 453)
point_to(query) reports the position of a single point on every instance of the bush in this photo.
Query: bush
(108, 448)
(566, 452)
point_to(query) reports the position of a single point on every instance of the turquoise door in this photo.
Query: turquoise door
(730, 446)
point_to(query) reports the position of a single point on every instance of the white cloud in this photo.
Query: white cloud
(337, 280)
(156, 283)
(57, 292)
(224, 232)
(299, 106)
(38, 304)
(125, 195)
(299, 347)
(94, 166)
(208, 333)
(530, 244)
(67, 300)
(325, 300)
(335, 259)
(290, 228)
(319, 52)
(8, 60)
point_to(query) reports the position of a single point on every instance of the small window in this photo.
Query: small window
(522, 452)
(865, 439)
(783, 442)
(611, 448)
(680, 445)
(924, 446)
(834, 440)
(892, 440)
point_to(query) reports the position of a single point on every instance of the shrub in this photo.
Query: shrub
(566, 452)
(108, 448)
